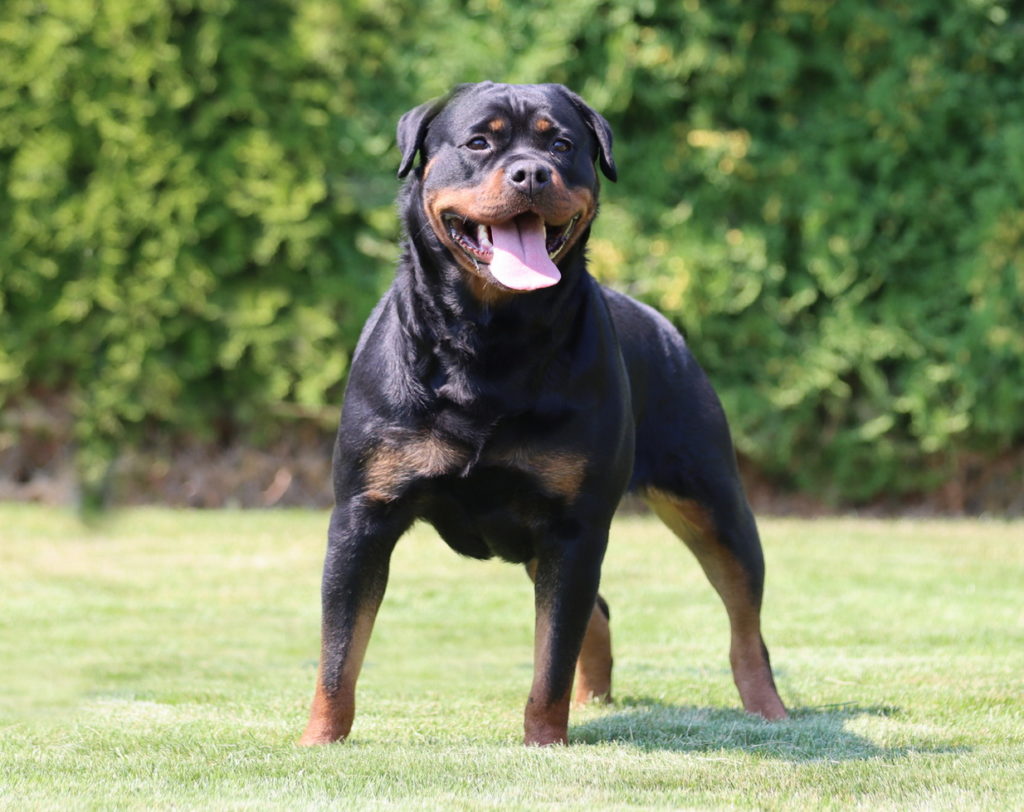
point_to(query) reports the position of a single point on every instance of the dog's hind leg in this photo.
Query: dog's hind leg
(593, 680)
(727, 546)
(594, 666)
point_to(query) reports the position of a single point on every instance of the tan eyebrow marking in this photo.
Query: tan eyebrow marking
(542, 125)
(496, 125)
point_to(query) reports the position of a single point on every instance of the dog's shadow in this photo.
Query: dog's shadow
(810, 734)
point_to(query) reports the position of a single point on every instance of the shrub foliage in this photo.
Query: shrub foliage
(196, 207)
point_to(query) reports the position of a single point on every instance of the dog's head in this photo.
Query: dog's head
(507, 178)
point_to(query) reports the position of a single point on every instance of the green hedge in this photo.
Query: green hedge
(196, 207)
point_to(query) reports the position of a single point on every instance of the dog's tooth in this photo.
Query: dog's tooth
(483, 235)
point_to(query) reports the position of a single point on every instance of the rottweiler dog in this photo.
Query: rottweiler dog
(504, 396)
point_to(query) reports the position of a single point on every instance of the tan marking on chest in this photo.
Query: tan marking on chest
(560, 472)
(393, 465)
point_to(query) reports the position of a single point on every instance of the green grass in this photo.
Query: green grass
(166, 659)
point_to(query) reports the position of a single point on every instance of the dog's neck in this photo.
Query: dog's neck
(461, 342)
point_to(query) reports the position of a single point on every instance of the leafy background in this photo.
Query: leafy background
(196, 215)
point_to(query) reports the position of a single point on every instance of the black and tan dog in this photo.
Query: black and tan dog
(501, 394)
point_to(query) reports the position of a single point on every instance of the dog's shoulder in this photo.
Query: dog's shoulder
(642, 329)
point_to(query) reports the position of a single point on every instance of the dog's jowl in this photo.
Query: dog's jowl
(501, 394)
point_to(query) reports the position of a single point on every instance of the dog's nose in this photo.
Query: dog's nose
(529, 177)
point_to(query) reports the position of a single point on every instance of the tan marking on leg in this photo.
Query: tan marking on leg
(594, 667)
(593, 678)
(752, 674)
(331, 715)
(692, 523)
(544, 722)
(546, 725)
(393, 465)
(747, 655)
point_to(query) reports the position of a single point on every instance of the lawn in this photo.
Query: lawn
(166, 659)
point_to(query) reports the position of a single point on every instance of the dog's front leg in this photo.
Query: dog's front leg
(355, 576)
(565, 588)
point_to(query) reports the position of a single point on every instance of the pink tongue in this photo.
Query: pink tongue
(521, 259)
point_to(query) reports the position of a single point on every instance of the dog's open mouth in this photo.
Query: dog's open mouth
(477, 241)
(520, 253)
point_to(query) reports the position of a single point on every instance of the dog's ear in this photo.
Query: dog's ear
(412, 129)
(602, 131)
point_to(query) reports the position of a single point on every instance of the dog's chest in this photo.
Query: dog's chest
(408, 459)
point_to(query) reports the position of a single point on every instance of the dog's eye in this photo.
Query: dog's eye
(561, 145)
(478, 142)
